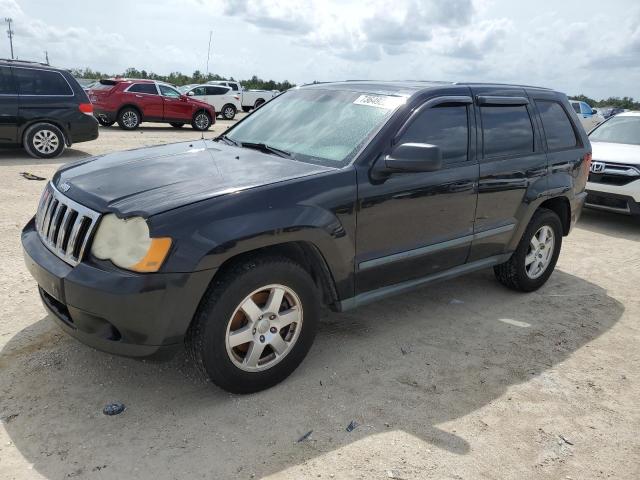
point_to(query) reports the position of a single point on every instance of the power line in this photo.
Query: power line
(10, 33)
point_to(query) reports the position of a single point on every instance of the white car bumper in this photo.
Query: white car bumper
(616, 198)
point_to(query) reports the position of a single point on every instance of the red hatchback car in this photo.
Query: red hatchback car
(131, 102)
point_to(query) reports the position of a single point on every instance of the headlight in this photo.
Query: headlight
(127, 243)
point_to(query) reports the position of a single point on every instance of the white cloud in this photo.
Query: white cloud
(573, 45)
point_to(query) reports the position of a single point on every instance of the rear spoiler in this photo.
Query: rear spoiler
(107, 81)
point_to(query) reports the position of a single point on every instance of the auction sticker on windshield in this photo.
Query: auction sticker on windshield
(381, 101)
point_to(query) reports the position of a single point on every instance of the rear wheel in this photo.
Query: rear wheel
(129, 118)
(201, 121)
(533, 262)
(228, 112)
(105, 123)
(176, 125)
(44, 140)
(255, 325)
(258, 103)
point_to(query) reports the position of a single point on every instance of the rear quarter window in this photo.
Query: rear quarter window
(557, 126)
(32, 81)
(506, 130)
(7, 87)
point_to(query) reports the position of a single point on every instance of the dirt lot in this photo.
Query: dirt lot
(460, 380)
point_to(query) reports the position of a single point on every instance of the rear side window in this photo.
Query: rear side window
(506, 130)
(444, 126)
(557, 126)
(234, 86)
(217, 90)
(576, 107)
(143, 88)
(7, 86)
(41, 82)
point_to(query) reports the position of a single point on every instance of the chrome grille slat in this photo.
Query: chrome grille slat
(60, 221)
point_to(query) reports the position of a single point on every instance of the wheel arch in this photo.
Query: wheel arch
(130, 105)
(25, 128)
(303, 252)
(561, 207)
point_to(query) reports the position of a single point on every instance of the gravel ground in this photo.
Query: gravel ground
(460, 380)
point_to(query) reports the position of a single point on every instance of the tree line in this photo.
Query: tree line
(178, 78)
(624, 102)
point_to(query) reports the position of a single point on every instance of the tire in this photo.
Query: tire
(258, 103)
(129, 118)
(198, 122)
(44, 140)
(176, 125)
(519, 275)
(219, 315)
(105, 123)
(228, 111)
(246, 109)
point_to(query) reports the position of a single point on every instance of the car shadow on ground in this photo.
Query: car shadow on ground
(18, 157)
(406, 365)
(612, 224)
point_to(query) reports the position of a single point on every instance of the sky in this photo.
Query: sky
(575, 46)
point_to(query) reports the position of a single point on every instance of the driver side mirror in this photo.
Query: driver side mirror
(409, 157)
(191, 93)
(414, 157)
(594, 111)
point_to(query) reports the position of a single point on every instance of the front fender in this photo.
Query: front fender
(319, 210)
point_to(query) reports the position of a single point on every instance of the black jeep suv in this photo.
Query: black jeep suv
(337, 193)
(42, 109)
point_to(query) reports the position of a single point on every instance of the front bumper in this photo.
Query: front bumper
(124, 313)
(612, 202)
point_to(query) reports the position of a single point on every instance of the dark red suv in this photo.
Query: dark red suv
(131, 102)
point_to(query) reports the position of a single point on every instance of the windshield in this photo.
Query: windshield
(618, 130)
(317, 126)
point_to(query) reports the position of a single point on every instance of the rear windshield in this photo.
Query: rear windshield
(317, 126)
(618, 130)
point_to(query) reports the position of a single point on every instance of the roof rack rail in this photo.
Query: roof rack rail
(16, 60)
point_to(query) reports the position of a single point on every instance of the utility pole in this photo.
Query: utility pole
(209, 52)
(10, 33)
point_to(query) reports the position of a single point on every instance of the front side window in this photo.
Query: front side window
(444, 126)
(506, 130)
(167, 91)
(619, 129)
(557, 126)
(7, 87)
(316, 125)
(234, 86)
(148, 88)
(586, 109)
(41, 82)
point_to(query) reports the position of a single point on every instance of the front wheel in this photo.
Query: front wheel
(201, 121)
(533, 262)
(255, 325)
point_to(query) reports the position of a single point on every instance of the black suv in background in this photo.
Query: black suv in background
(43, 109)
(340, 193)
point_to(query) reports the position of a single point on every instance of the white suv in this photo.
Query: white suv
(225, 101)
(614, 181)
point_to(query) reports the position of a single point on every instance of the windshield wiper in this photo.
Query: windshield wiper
(229, 140)
(263, 147)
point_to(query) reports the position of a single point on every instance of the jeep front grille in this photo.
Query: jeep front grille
(64, 226)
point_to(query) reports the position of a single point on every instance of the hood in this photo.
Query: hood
(616, 152)
(151, 180)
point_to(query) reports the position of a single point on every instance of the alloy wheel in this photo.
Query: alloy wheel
(202, 121)
(130, 119)
(264, 328)
(540, 252)
(45, 142)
